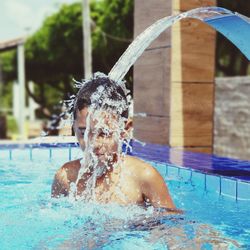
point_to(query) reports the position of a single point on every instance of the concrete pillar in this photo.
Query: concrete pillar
(192, 80)
(87, 40)
(15, 101)
(21, 82)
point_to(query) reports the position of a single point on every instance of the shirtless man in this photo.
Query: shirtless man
(128, 180)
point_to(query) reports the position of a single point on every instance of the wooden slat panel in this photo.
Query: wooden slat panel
(152, 129)
(198, 99)
(207, 150)
(184, 5)
(146, 13)
(192, 79)
(152, 76)
(195, 128)
(197, 48)
(151, 83)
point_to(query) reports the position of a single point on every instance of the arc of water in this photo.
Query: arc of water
(138, 46)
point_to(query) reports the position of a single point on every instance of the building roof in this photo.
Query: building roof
(11, 44)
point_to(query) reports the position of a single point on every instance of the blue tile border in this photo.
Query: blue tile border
(38, 145)
(223, 186)
(210, 164)
(243, 190)
(225, 176)
(185, 174)
(48, 153)
(198, 179)
(229, 187)
(173, 171)
(213, 183)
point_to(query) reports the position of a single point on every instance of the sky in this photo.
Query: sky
(22, 17)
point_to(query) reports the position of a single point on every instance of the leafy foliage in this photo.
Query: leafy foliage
(7, 73)
(113, 32)
(54, 54)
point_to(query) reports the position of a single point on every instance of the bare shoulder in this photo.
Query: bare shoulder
(70, 169)
(64, 176)
(141, 168)
(153, 186)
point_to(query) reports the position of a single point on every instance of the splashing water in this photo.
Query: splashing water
(104, 119)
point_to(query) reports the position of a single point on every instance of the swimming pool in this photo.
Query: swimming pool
(216, 208)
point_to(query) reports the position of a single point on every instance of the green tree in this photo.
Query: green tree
(113, 32)
(8, 74)
(54, 54)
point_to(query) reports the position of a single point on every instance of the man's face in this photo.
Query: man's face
(102, 131)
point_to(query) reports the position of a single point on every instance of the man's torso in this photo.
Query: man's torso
(121, 186)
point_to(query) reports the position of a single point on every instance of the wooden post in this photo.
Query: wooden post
(152, 75)
(192, 80)
(179, 109)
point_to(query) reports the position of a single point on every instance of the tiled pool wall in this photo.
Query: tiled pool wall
(195, 173)
(225, 186)
(42, 152)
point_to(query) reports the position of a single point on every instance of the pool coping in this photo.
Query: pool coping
(203, 162)
(44, 140)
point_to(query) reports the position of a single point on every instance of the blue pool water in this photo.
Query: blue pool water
(30, 219)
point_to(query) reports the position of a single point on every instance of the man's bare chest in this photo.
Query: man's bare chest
(119, 193)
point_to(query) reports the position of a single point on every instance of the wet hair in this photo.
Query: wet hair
(101, 92)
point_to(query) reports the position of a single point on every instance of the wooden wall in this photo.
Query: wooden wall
(180, 62)
(192, 80)
(152, 75)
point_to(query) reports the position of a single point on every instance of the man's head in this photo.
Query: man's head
(101, 92)
(100, 106)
